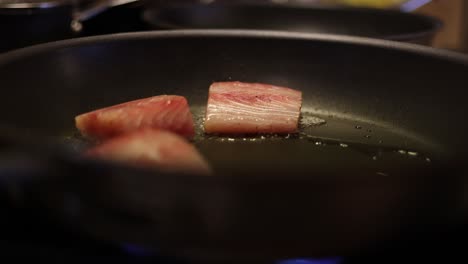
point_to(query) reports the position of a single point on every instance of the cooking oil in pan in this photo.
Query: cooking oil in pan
(323, 143)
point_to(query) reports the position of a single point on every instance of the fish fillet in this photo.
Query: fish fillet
(152, 148)
(169, 112)
(248, 108)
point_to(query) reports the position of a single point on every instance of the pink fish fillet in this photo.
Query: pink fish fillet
(169, 112)
(248, 108)
(152, 148)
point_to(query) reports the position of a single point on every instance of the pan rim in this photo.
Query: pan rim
(448, 55)
(435, 23)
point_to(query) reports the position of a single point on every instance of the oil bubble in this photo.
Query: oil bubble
(308, 121)
(382, 174)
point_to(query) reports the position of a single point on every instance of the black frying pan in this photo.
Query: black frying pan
(375, 23)
(387, 167)
(25, 23)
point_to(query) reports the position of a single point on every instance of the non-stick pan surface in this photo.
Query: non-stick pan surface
(381, 168)
(383, 24)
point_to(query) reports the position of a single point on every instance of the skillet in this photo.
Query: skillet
(386, 166)
(364, 22)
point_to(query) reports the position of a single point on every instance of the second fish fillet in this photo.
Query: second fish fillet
(168, 112)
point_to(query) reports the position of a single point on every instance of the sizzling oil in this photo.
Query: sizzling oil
(324, 143)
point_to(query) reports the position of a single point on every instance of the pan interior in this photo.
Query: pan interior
(389, 109)
(323, 141)
(373, 99)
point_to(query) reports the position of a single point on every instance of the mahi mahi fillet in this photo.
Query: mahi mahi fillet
(247, 108)
(168, 112)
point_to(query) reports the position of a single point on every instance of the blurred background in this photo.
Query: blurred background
(453, 13)
(28, 22)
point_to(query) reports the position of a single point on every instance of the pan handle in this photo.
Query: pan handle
(81, 14)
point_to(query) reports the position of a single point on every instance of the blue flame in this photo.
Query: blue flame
(137, 250)
(143, 252)
(311, 261)
(412, 5)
